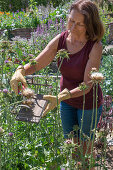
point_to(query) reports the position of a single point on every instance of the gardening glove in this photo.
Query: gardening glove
(65, 94)
(18, 77)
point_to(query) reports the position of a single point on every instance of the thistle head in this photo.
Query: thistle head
(5, 91)
(28, 93)
(62, 54)
(10, 134)
(95, 76)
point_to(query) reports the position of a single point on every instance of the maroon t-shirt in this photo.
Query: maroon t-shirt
(72, 71)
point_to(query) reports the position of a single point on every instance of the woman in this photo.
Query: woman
(82, 41)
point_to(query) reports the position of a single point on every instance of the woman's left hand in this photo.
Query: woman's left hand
(51, 105)
(63, 95)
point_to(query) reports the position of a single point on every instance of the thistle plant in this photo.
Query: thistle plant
(11, 143)
(28, 94)
(82, 87)
(61, 55)
(96, 78)
(33, 62)
(69, 149)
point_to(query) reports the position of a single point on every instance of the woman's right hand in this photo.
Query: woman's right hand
(18, 77)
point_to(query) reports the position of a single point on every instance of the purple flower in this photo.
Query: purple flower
(9, 5)
(6, 61)
(2, 50)
(22, 9)
(98, 157)
(10, 134)
(77, 156)
(5, 91)
(30, 55)
(50, 87)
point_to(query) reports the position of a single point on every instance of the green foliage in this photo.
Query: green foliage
(30, 19)
(13, 5)
(106, 4)
(106, 20)
(19, 20)
(54, 3)
(107, 70)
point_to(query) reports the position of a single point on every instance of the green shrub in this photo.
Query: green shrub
(13, 5)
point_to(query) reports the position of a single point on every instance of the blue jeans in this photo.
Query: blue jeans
(71, 116)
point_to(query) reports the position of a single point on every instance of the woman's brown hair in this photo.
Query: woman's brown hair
(94, 25)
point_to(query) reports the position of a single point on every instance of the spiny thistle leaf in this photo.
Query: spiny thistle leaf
(32, 62)
(83, 86)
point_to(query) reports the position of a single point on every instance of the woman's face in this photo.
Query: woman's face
(76, 22)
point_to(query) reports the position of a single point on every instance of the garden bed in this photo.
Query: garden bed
(109, 158)
(27, 32)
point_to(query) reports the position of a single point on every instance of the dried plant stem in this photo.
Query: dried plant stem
(91, 120)
(94, 127)
(56, 120)
(57, 81)
(81, 150)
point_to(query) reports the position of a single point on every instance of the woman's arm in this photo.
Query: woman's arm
(45, 57)
(94, 61)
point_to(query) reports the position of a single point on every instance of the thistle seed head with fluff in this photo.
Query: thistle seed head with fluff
(94, 70)
(28, 102)
(95, 76)
(29, 93)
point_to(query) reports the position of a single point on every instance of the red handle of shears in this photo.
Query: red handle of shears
(23, 87)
